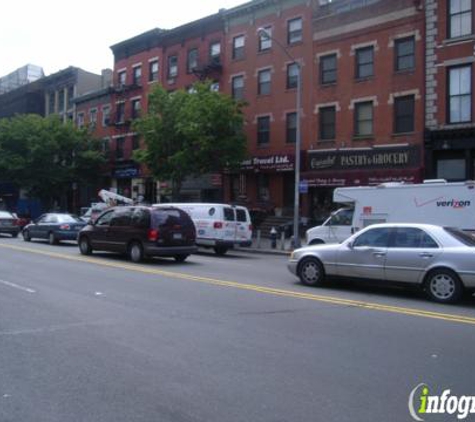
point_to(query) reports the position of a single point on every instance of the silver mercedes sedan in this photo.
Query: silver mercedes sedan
(439, 259)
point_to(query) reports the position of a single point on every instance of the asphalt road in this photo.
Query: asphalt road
(223, 339)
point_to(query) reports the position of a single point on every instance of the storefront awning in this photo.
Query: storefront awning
(361, 177)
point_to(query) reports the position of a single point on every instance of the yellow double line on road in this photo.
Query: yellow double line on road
(255, 288)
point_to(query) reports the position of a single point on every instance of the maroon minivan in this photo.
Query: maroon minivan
(140, 232)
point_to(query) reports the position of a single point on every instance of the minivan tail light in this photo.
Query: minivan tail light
(218, 225)
(64, 227)
(153, 235)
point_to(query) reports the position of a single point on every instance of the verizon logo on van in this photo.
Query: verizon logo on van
(453, 204)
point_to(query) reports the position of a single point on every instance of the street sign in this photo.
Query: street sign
(303, 186)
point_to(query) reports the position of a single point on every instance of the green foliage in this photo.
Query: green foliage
(191, 134)
(45, 156)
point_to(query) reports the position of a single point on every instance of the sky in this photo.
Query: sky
(55, 34)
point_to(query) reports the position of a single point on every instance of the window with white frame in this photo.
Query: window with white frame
(153, 71)
(328, 69)
(80, 120)
(172, 66)
(238, 87)
(404, 114)
(137, 75)
(264, 82)
(93, 117)
(106, 112)
(405, 53)
(292, 75)
(121, 78)
(460, 94)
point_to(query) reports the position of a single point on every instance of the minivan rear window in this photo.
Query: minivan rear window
(241, 216)
(228, 214)
(165, 217)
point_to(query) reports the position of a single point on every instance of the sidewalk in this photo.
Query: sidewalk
(265, 247)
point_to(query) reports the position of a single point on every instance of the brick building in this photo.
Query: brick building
(367, 116)
(450, 137)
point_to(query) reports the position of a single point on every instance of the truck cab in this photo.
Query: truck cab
(335, 229)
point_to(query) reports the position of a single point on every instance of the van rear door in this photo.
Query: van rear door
(229, 229)
(243, 225)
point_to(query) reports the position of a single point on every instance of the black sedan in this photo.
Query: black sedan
(54, 227)
(9, 224)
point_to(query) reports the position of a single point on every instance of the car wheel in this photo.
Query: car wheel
(220, 250)
(311, 272)
(180, 258)
(26, 236)
(52, 239)
(85, 246)
(444, 286)
(136, 253)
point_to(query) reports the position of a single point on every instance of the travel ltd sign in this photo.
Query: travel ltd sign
(356, 159)
(277, 162)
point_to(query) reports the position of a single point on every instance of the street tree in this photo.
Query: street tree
(45, 156)
(191, 133)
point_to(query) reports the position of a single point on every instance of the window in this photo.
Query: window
(122, 217)
(364, 119)
(104, 219)
(80, 120)
(51, 102)
(135, 142)
(119, 148)
(404, 114)
(408, 237)
(120, 114)
(327, 123)
(121, 78)
(192, 63)
(264, 81)
(294, 31)
(263, 130)
(460, 94)
(172, 66)
(342, 218)
(215, 52)
(136, 108)
(93, 117)
(405, 54)
(292, 75)
(238, 47)
(460, 18)
(378, 238)
(137, 75)
(238, 87)
(328, 69)
(70, 96)
(265, 40)
(364, 62)
(153, 71)
(106, 111)
(291, 128)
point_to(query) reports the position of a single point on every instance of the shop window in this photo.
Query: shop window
(404, 114)
(452, 169)
(328, 69)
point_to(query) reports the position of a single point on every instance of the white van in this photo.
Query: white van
(431, 202)
(218, 226)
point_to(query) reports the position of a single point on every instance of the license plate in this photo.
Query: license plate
(177, 236)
